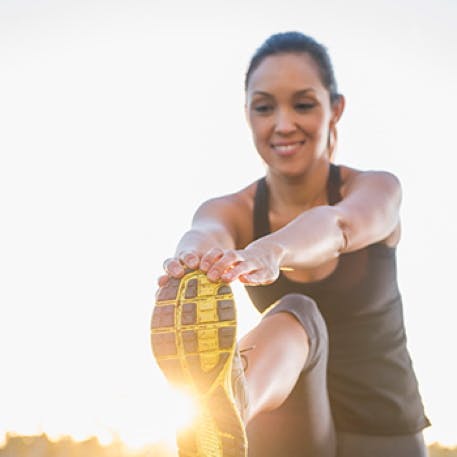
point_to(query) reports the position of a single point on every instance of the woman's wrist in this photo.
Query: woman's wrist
(275, 250)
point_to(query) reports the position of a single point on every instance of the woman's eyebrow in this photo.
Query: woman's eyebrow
(262, 93)
(298, 92)
(305, 91)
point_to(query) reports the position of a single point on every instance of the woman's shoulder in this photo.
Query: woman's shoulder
(241, 200)
(234, 210)
(351, 176)
(348, 173)
(374, 182)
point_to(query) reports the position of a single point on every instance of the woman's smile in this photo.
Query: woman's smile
(290, 113)
(287, 149)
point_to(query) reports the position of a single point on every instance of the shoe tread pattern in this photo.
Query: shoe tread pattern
(193, 337)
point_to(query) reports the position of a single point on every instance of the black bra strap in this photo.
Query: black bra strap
(334, 185)
(261, 221)
(261, 207)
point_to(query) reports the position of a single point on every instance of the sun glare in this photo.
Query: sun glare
(186, 408)
(102, 172)
(138, 420)
(175, 410)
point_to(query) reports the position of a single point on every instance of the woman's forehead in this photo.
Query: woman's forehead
(291, 71)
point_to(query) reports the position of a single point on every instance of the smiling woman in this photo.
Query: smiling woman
(327, 371)
(109, 108)
(286, 91)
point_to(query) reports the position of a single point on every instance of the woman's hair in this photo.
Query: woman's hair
(296, 43)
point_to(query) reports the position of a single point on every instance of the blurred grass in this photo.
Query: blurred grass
(436, 450)
(42, 446)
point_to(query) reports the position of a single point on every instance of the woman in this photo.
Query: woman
(326, 371)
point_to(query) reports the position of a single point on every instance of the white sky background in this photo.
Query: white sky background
(118, 118)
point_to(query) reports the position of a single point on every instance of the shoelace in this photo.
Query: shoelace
(244, 359)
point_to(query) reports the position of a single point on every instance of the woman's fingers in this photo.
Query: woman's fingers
(257, 278)
(249, 266)
(163, 280)
(227, 261)
(177, 266)
(238, 269)
(190, 259)
(249, 273)
(173, 267)
(208, 259)
(252, 267)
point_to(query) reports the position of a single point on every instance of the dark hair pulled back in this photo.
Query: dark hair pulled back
(297, 43)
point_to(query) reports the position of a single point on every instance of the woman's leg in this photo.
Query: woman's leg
(193, 330)
(268, 388)
(286, 381)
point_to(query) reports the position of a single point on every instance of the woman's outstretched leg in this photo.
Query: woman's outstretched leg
(193, 336)
(287, 382)
(278, 341)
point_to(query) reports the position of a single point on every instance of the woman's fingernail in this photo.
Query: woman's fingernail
(194, 263)
(175, 270)
(213, 275)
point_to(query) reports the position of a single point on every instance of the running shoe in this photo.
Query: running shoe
(193, 337)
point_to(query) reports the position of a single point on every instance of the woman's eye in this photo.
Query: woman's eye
(262, 109)
(304, 106)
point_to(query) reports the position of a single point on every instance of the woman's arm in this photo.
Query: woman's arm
(368, 213)
(215, 229)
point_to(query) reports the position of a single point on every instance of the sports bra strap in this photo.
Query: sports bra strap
(334, 185)
(261, 207)
(261, 221)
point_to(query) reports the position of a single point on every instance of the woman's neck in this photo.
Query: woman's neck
(300, 192)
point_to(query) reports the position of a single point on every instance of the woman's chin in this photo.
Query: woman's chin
(289, 173)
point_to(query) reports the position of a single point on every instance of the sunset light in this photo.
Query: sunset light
(119, 118)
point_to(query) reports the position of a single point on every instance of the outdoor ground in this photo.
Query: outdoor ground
(41, 446)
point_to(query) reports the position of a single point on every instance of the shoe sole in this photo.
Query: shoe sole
(193, 337)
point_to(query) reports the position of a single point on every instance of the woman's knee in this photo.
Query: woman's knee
(306, 312)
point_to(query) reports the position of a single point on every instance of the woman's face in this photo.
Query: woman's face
(289, 111)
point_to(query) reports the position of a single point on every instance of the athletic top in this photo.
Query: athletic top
(371, 383)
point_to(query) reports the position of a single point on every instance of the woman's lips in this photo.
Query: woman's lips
(287, 149)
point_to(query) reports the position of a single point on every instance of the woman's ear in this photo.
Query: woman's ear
(338, 108)
(332, 141)
(337, 111)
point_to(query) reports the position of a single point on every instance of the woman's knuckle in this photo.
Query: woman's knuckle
(215, 253)
(166, 263)
(227, 255)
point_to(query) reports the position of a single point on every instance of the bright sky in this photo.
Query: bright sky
(118, 118)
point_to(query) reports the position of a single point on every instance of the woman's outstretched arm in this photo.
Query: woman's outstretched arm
(368, 213)
(215, 229)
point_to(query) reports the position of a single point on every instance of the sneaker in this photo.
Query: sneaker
(193, 337)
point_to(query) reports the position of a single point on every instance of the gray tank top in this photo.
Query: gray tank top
(371, 382)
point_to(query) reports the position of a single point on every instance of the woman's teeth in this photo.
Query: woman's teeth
(285, 148)
(288, 147)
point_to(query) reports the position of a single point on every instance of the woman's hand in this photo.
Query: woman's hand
(253, 265)
(257, 264)
(175, 267)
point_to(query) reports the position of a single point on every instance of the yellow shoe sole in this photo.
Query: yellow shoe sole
(193, 337)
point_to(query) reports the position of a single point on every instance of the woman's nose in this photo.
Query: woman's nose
(285, 122)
